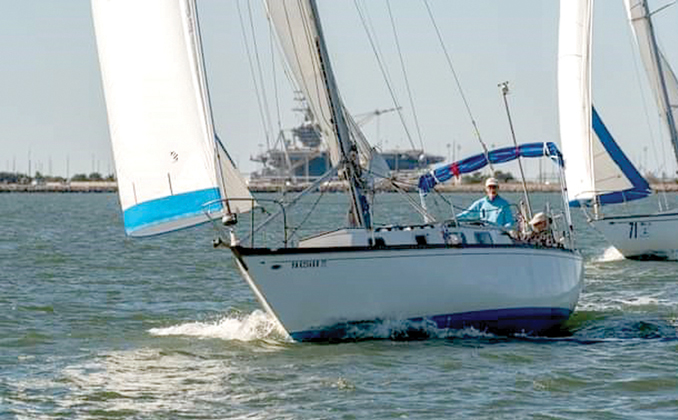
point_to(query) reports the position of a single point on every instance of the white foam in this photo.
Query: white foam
(610, 254)
(627, 304)
(242, 327)
(640, 301)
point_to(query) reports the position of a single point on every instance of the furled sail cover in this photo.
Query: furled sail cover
(475, 163)
(159, 116)
(658, 68)
(595, 167)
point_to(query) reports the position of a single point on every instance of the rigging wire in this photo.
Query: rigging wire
(643, 94)
(260, 72)
(456, 79)
(294, 231)
(384, 72)
(262, 114)
(271, 42)
(407, 82)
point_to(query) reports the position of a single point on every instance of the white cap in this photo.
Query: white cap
(539, 217)
(491, 181)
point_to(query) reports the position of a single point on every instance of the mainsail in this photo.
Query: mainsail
(299, 31)
(298, 36)
(169, 163)
(661, 76)
(597, 171)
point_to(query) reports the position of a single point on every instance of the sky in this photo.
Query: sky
(53, 115)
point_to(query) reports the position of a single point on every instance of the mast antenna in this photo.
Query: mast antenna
(504, 92)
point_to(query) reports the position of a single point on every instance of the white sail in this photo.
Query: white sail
(159, 115)
(595, 167)
(298, 36)
(574, 96)
(662, 78)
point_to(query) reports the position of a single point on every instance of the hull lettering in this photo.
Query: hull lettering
(309, 264)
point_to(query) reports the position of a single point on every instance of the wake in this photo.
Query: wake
(610, 254)
(241, 327)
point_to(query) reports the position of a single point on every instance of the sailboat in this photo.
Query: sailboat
(597, 170)
(175, 172)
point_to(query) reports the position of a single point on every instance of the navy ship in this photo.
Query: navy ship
(298, 155)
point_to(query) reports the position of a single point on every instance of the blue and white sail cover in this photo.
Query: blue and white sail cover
(447, 171)
(596, 169)
(167, 161)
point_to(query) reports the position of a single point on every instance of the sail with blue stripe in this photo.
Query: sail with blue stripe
(596, 169)
(639, 188)
(170, 166)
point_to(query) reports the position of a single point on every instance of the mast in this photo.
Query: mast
(349, 167)
(664, 94)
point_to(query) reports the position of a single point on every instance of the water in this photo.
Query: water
(95, 326)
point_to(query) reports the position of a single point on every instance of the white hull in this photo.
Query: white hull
(314, 293)
(653, 236)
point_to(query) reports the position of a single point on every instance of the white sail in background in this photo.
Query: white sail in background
(159, 115)
(574, 97)
(595, 167)
(662, 78)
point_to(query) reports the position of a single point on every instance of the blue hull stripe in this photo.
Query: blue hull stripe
(640, 189)
(502, 321)
(169, 210)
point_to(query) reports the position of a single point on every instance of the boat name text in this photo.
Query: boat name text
(309, 264)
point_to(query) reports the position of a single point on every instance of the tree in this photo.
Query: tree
(504, 177)
(475, 178)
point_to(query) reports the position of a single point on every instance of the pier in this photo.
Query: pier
(263, 186)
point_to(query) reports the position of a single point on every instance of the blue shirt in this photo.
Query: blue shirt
(497, 211)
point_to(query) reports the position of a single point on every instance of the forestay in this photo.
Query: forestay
(596, 169)
(159, 116)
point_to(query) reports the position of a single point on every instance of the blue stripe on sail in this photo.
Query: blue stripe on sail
(640, 189)
(170, 210)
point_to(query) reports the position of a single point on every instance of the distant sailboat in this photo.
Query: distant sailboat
(172, 167)
(598, 172)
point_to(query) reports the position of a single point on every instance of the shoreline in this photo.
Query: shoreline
(267, 187)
